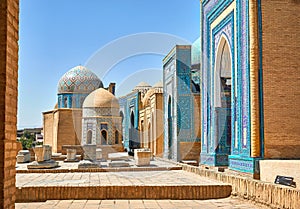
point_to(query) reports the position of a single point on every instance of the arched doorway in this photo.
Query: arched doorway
(170, 128)
(89, 137)
(222, 98)
(103, 137)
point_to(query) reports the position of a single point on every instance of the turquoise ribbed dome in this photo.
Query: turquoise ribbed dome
(79, 80)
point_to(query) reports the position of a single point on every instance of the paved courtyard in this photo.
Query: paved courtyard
(74, 165)
(133, 178)
(227, 203)
(139, 178)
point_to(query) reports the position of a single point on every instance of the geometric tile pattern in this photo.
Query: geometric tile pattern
(79, 80)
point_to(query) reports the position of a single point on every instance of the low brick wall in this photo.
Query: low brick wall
(273, 195)
(178, 192)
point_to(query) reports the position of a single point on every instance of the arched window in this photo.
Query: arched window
(132, 119)
(117, 137)
(103, 137)
(122, 115)
(65, 102)
(89, 137)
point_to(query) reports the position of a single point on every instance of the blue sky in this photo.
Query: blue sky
(56, 35)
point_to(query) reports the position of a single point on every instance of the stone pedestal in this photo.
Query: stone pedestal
(86, 164)
(71, 156)
(89, 152)
(119, 163)
(42, 153)
(98, 154)
(89, 158)
(43, 158)
(118, 156)
(23, 156)
(43, 164)
(142, 157)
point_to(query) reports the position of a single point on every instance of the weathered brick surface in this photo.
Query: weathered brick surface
(281, 77)
(179, 192)
(9, 21)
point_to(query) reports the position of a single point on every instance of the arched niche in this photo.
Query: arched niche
(103, 137)
(222, 75)
(89, 137)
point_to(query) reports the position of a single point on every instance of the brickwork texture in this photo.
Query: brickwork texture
(9, 25)
(281, 77)
(62, 127)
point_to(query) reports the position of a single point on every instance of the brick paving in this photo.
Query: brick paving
(227, 203)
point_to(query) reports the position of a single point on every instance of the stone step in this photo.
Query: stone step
(178, 192)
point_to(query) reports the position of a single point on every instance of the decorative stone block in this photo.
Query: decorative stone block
(142, 157)
(43, 153)
(118, 156)
(43, 158)
(89, 152)
(71, 156)
(98, 154)
(23, 156)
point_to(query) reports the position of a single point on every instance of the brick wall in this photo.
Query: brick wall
(9, 21)
(62, 127)
(281, 77)
(67, 134)
(48, 118)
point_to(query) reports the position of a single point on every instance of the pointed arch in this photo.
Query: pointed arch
(89, 137)
(223, 70)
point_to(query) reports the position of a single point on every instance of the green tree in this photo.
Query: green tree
(27, 140)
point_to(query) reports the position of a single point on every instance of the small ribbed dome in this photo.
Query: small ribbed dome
(158, 85)
(146, 99)
(79, 80)
(143, 84)
(101, 98)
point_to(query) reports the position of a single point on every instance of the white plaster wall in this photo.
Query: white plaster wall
(269, 169)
